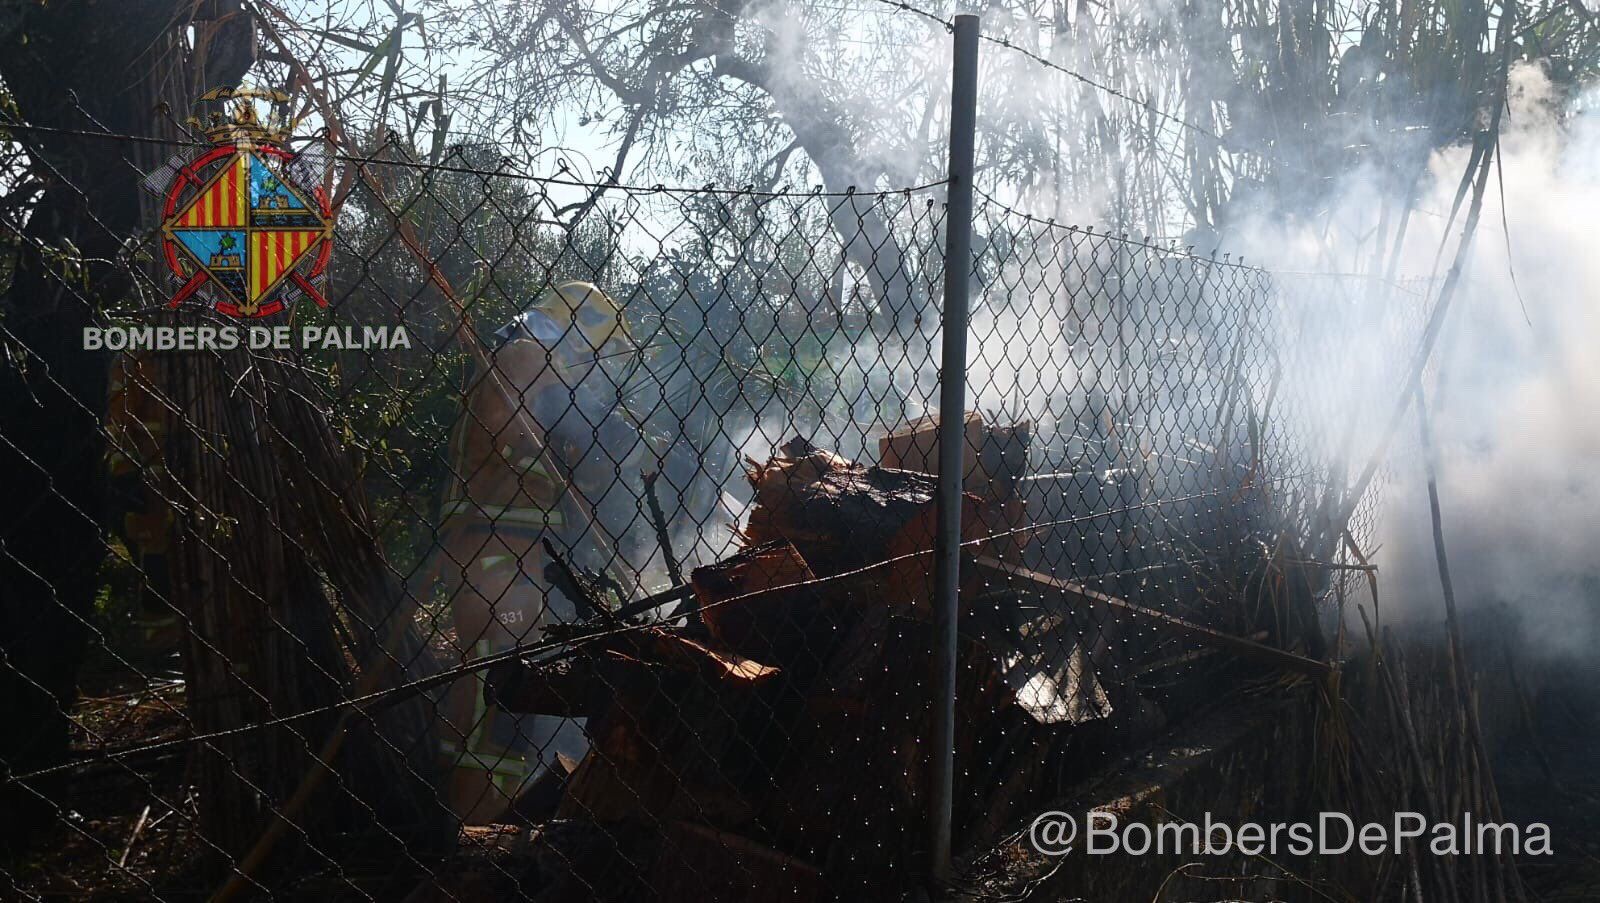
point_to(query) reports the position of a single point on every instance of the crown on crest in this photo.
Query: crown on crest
(244, 123)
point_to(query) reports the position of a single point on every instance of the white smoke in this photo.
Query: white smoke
(1515, 416)
(1515, 387)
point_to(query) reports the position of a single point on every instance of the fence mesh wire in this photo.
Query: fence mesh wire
(547, 601)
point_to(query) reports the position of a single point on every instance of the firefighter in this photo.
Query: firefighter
(541, 452)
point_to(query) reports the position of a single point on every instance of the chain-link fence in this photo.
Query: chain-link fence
(581, 546)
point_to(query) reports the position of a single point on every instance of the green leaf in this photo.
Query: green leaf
(384, 51)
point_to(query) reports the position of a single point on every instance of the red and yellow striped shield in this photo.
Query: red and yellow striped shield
(273, 253)
(246, 230)
(223, 203)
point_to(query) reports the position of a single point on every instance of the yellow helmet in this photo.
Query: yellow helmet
(584, 307)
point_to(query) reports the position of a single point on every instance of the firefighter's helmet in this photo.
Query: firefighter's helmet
(583, 307)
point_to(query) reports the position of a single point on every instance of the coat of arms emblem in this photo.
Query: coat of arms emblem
(245, 225)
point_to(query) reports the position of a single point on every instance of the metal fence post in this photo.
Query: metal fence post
(952, 417)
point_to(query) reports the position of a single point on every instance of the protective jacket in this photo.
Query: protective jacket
(543, 450)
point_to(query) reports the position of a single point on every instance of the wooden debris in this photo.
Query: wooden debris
(840, 515)
(843, 517)
(674, 721)
(537, 802)
(661, 646)
(574, 688)
(657, 753)
(566, 688)
(994, 457)
(736, 743)
(775, 626)
(804, 692)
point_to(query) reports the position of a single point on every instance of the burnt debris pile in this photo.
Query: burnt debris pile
(771, 737)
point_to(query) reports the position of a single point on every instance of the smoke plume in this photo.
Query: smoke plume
(1515, 381)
